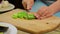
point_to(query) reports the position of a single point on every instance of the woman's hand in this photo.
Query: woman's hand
(45, 12)
(28, 4)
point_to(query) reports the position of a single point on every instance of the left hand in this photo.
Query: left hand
(45, 12)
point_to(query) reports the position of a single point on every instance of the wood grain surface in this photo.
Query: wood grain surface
(31, 26)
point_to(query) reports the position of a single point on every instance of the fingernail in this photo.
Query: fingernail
(29, 8)
(37, 16)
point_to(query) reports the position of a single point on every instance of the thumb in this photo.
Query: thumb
(29, 5)
(24, 4)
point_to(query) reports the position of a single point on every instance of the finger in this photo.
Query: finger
(42, 17)
(42, 10)
(48, 11)
(39, 13)
(36, 15)
(46, 16)
(30, 4)
(49, 15)
(24, 5)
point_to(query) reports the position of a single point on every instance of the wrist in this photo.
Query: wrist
(55, 6)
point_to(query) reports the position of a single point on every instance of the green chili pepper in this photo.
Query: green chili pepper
(24, 15)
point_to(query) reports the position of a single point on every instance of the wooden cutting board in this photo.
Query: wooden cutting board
(33, 26)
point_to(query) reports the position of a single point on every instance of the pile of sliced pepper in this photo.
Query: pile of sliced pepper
(23, 15)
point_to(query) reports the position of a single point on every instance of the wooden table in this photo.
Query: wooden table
(31, 26)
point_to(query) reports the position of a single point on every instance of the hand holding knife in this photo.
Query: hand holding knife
(28, 4)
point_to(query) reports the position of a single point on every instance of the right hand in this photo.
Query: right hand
(28, 4)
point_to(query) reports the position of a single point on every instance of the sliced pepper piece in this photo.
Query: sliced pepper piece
(31, 16)
(15, 16)
(22, 14)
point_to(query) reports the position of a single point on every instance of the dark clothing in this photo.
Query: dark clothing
(17, 3)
